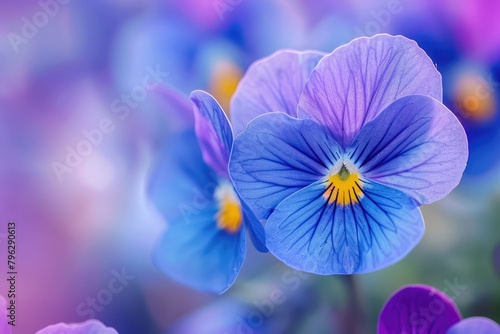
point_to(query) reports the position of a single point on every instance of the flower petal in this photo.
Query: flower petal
(418, 309)
(416, 145)
(476, 325)
(87, 327)
(276, 156)
(213, 131)
(216, 140)
(255, 228)
(272, 84)
(195, 252)
(353, 84)
(309, 232)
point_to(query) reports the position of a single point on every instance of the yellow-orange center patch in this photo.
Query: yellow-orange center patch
(229, 216)
(475, 98)
(223, 83)
(344, 187)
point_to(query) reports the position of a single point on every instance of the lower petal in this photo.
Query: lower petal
(199, 254)
(373, 229)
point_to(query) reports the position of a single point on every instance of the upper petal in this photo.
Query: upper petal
(87, 327)
(353, 84)
(418, 309)
(213, 131)
(276, 156)
(314, 232)
(476, 325)
(272, 84)
(415, 145)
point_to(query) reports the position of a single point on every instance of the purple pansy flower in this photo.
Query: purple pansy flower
(204, 246)
(337, 164)
(423, 309)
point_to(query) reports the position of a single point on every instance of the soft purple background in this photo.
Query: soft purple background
(74, 235)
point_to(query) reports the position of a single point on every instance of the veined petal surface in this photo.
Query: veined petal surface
(272, 84)
(416, 145)
(213, 130)
(278, 155)
(352, 85)
(310, 232)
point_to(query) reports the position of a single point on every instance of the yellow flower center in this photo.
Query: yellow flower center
(229, 216)
(343, 187)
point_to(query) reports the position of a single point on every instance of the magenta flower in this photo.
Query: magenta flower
(421, 309)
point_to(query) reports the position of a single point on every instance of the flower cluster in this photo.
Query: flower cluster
(333, 156)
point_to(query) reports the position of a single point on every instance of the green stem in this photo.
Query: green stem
(356, 315)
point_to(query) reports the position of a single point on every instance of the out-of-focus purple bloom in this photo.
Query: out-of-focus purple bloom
(475, 325)
(424, 309)
(475, 25)
(404, 311)
(338, 172)
(87, 327)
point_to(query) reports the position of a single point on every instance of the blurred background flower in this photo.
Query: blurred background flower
(422, 308)
(74, 90)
